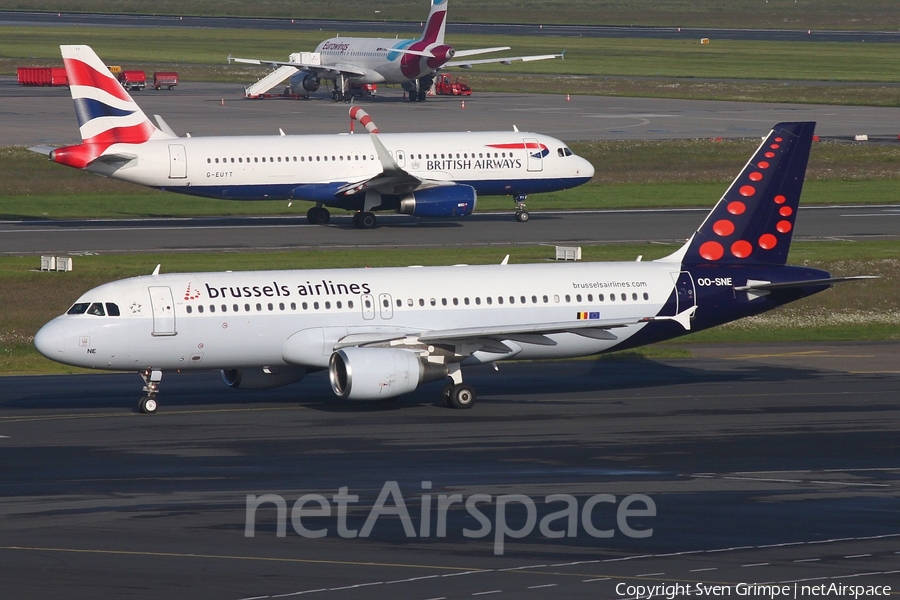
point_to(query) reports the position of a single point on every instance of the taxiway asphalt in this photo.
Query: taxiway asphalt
(33, 116)
(78, 237)
(765, 464)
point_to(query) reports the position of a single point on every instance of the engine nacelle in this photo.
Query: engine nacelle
(374, 373)
(441, 201)
(303, 83)
(262, 379)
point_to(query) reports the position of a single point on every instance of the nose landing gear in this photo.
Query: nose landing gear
(148, 403)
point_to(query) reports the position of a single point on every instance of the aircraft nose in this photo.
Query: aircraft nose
(50, 340)
(588, 169)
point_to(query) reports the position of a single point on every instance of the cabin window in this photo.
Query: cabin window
(499, 299)
(259, 307)
(634, 296)
(217, 161)
(466, 301)
(624, 297)
(534, 299)
(443, 302)
(522, 299)
(599, 298)
(489, 300)
(247, 307)
(293, 306)
(256, 159)
(546, 299)
(200, 308)
(456, 302)
(577, 298)
(281, 306)
(224, 308)
(212, 308)
(612, 297)
(556, 298)
(421, 302)
(409, 302)
(208, 161)
(478, 301)
(263, 159)
(304, 306)
(349, 303)
(235, 307)
(315, 306)
(646, 296)
(590, 298)
(328, 305)
(568, 298)
(512, 299)
(189, 309)
(433, 302)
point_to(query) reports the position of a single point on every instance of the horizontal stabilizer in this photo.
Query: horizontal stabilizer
(45, 150)
(781, 285)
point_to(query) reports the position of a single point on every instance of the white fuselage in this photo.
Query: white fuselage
(317, 167)
(377, 58)
(246, 319)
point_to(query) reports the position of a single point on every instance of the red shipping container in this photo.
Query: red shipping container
(42, 76)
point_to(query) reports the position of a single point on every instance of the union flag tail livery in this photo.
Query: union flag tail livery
(754, 220)
(106, 113)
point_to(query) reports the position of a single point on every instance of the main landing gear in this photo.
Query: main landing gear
(318, 215)
(457, 394)
(417, 89)
(364, 220)
(522, 215)
(148, 403)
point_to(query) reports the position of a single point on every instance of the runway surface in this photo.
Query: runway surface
(484, 229)
(765, 464)
(414, 28)
(31, 116)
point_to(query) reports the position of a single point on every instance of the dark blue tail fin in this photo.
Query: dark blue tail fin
(754, 220)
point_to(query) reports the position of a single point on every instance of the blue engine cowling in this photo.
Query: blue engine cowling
(303, 83)
(443, 201)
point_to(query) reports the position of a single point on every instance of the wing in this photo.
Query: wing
(457, 344)
(393, 178)
(467, 64)
(303, 61)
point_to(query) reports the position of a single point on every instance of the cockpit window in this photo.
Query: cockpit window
(564, 151)
(78, 309)
(96, 309)
(112, 309)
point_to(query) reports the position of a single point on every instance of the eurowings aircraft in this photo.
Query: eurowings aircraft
(420, 174)
(346, 60)
(383, 332)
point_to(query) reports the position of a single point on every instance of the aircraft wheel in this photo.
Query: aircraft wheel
(522, 216)
(148, 405)
(335, 96)
(422, 95)
(462, 396)
(413, 96)
(364, 220)
(318, 215)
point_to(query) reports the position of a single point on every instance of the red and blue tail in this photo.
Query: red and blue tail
(754, 221)
(106, 113)
(436, 23)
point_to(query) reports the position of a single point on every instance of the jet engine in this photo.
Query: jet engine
(303, 83)
(376, 373)
(262, 379)
(442, 201)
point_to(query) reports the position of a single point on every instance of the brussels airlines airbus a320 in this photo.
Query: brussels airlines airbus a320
(383, 332)
(420, 174)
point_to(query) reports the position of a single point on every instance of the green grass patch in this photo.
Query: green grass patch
(867, 310)
(794, 14)
(189, 49)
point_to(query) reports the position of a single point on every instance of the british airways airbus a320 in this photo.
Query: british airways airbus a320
(420, 174)
(383, 332)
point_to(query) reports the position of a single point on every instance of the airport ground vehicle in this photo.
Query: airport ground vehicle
(165, 79)
(448, 86)
(132, 79)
